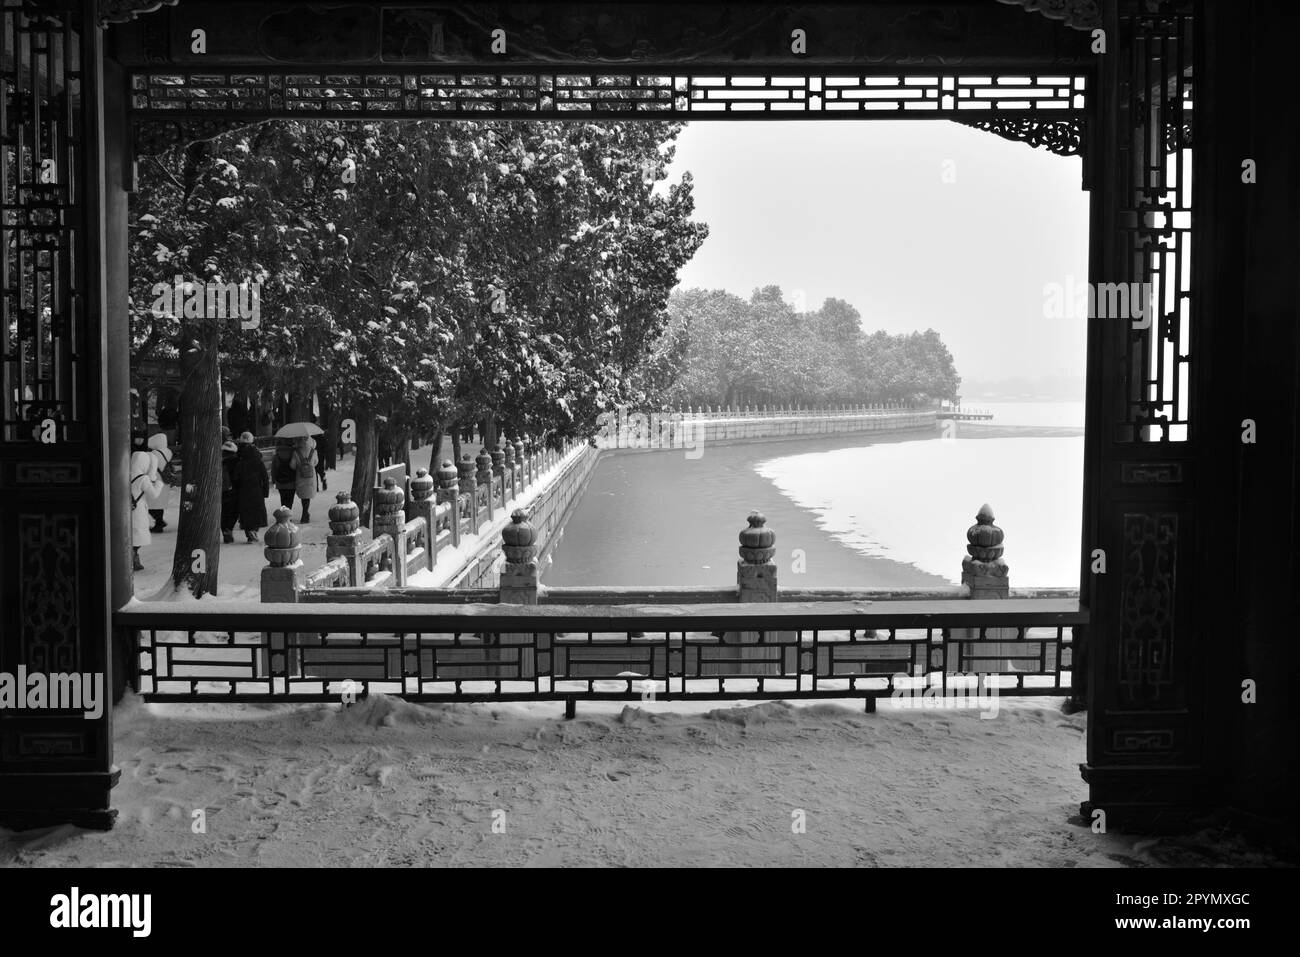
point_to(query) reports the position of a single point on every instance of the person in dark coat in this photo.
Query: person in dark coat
(229, 490)
(325, 448)
(284, 471)
(252, 485)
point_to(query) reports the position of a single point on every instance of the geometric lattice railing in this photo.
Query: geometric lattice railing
(620, 652)
(475, 93)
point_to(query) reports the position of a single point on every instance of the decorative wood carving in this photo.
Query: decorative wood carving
(48, 599)
(1077, 14)
(1146, 639)
(124, 11)
(1062, 137)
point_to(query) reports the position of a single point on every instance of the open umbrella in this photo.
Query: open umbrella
(298, 429)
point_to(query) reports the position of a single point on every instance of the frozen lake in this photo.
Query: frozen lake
(886, 513)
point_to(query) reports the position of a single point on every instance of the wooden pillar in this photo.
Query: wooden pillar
(64, 511)
(1248, 367)
(1148, 395)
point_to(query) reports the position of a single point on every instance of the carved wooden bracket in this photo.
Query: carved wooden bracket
(1062, 137)
(123, 11)
(1077, 14)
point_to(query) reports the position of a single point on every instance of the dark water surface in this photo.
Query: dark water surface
(659, 518)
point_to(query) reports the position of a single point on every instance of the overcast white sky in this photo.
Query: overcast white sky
(859, 210)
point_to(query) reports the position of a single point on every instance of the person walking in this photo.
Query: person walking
(304, 466)
(158, 502)
(145, 482)
(325, 445)
(284, 472)
(252, 485)
(229, 490)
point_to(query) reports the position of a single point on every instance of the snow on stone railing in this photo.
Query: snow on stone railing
(442, 510)
(802, 636)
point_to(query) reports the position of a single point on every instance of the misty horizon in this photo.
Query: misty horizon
(917, 225)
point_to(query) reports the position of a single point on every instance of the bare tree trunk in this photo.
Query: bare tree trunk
(299, 405)
(490, 432)
(454, 428)
(403, 451)
(364, 461)
(435, 441)
(198, 534)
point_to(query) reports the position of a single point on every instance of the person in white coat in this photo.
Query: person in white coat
(145, 482)
(162, 500)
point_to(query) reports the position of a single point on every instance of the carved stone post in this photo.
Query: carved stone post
(519, 578)
(282, 579)
(520, 464)
(756, 582)
(421, 506)
(465, 468)
(756, 572)
(449, 494)
(984, 571)
(484, 477)
(344, 539)
(983, 568)
(388, 509)
(509, 488)
(519, 582)
(388, 521)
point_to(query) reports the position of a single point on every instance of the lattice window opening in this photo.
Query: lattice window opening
(1160, 353)
(1156, 93)
(472, 92)
(39, 189)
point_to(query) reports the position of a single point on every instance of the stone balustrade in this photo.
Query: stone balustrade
(984, 574)
(378, 571)
(694, 429)
(442, 511)
(457, 501)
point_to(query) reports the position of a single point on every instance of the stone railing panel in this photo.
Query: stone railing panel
(335, 573)
(416, 539)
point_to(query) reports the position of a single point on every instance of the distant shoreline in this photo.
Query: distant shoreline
(992, 430)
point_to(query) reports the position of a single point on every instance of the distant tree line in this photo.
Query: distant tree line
(719, 349)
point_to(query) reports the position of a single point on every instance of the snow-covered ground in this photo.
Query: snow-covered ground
(388, 783)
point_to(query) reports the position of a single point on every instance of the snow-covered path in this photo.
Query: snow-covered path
(389, 783)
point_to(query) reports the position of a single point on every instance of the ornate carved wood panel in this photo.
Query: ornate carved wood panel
(465, 94)
(52, 514)
(1143, 441)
